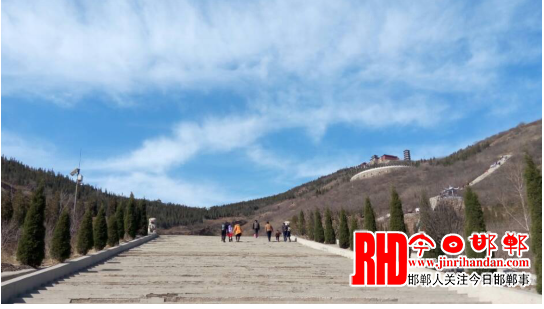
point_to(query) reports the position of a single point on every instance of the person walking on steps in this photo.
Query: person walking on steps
(269, 229)
(229, 232)
(289, 232)
(224, 228)
(256, 228)
(237, 232)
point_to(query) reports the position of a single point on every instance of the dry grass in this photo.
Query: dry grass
(410, 182)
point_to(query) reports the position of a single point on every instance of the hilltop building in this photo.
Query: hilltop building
(388, 158)
(383, 159)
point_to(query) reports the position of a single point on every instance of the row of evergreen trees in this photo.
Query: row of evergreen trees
(128, 221)
(313, 228)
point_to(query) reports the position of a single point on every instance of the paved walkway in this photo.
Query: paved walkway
(201, 269)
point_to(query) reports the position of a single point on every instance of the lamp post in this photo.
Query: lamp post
(79, 179)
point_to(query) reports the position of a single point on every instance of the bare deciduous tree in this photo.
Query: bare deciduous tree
(514, 175)
(446, 218)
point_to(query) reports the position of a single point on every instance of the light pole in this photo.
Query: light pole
(79, 179)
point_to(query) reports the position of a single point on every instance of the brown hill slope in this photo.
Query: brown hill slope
(433, 176)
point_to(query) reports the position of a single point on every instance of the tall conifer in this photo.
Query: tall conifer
(330, 236)
(396, 220)
(369, 222)
(31, 246)
(85, 240)
(100, 230)
(61, 247)
(343, 231)
(319, 233)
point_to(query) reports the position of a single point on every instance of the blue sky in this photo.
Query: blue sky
(209, 102)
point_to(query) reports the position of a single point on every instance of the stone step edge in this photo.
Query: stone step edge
(494, 295)
(26, 283)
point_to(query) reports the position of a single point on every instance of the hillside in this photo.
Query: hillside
(458, 169)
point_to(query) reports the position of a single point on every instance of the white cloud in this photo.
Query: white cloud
(70, 48)
(297, 169)
(225, 134)
(160, 186)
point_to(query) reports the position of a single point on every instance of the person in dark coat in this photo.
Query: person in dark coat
(256, 228)
(224, 228)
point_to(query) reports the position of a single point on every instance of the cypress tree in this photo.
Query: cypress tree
(60, 244)
(131, 224)
(120, 217)
(302, 223)
(31, 246)
(143, 218)
(113, 233)
(319, 233)
(353, 227)
(474, 223)
(343, 231)
(369, 223)
(330, 237)
(100, 230)
(85, 239)
(396, 220)
(7, 207)
(311, 226)
(533, 181)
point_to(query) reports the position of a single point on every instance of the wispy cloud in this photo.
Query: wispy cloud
(70, 48)
(299, 169)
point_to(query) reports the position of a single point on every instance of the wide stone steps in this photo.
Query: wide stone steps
(198, 269)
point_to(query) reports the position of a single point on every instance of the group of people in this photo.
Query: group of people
(228, 230)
